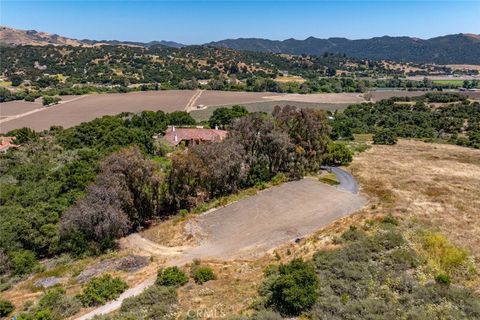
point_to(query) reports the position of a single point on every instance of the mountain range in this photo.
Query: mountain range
(463, 48)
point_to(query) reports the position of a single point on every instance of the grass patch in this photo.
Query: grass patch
(363, 137)
(447, 82)
(442, 256)
(5, 83)
(329, 179)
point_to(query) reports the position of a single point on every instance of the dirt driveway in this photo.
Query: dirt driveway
(249, 227)
(272, 217)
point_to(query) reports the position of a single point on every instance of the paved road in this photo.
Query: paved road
(259, 223)
(347, 181)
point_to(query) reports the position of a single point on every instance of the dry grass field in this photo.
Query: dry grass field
(286, 79)
(464, 66)
(380, 95)
(437, 185)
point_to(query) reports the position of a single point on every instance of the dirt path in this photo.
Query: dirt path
(251, 227)
(191, 103)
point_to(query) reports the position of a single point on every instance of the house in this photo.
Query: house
(6, 143)
(192, 136)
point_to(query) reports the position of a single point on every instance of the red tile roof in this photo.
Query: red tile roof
(199, 134)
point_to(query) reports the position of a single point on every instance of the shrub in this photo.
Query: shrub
(353, 234)
(6, 307)
(389, 219)
(443, 279)
(266, 315)
(444, 256)
(384, 136)
(49, 100)
(155, 302)
(203, 274)
(102, 289)
(337, 154)
(57, 304)
(23, 262)
(295, 288)
(171, 277)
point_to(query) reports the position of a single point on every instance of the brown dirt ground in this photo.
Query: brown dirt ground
(380, 95)
(321, 97)
(217, 98)
(96, 105)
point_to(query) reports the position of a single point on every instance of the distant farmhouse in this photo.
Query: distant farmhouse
(6, 143)
(193, 136)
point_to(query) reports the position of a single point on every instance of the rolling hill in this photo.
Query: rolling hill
(459, 48)
(11, 36)
(463, 48)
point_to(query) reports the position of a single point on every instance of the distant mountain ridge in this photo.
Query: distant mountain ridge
(463, 48)
(11, 36)
(460, 48)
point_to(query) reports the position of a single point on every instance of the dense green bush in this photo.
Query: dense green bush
(443, 279)
(6, 307)
(48, 100)
(171, 277)
(202, 274)
(180, 118)
(383, 136)
(102, 289)
(293, 289)
(337, 154)
(223, 117)
(53, 305)
(23, 262)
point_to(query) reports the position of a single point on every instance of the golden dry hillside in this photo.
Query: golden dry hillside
(437, 184)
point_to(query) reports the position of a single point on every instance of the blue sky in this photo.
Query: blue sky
(195, 22)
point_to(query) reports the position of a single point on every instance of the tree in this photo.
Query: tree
(385, 136)
(308, 130)
(268, 149)
(16, 80)
(224, 165)
(186, 182)
(125, 194)
(337, 154)
(294, 289)
(223, 117)
(180, 118)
